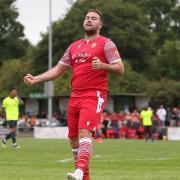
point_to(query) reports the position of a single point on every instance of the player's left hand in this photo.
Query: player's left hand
(96, 63)
(29, 79)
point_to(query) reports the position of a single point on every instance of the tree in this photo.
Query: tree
(12, 42)
(166, 63)
(130, 82)
(128, 27)
(164, 91)
(164, 19)
(63, 85)
(12, 73)
(175, 24)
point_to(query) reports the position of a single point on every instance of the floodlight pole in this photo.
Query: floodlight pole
(50, 83)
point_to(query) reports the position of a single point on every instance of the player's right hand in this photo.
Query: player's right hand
(96, 63)
(29, 79)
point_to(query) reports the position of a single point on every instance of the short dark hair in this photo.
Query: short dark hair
(12, 88)
(97, 12)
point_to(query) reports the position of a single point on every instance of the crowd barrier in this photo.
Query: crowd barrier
(50, 132)
(173, 133)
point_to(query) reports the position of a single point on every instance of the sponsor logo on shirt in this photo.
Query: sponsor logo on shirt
(93, 45)
(81, 57)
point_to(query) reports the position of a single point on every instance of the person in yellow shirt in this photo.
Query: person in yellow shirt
(10, 106)
(146, 117)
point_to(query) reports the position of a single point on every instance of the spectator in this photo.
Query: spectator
(105, 121)
(32, 122)
(135, 119)
(168, 116)
(174, 119)
(161, 113)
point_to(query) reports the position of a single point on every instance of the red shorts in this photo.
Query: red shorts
(84, 113)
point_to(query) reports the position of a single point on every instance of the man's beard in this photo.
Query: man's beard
(90, 32)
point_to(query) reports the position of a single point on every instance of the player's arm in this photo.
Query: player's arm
(114, 65)
(51, 74)
(114, 68)
(21, 102)
(58, 70)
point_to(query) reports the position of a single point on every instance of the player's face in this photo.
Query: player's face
(92, 23)
(13, 93)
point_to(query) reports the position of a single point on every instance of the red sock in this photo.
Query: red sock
(87, 177)
(75, 156)
(84, 154)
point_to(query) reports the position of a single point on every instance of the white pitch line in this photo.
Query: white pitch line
(140, 159)
(155, 159)
(97, 156)
(17, 162)
(64, 160)
(71, 159)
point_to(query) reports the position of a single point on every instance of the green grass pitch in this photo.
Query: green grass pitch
(112, 160)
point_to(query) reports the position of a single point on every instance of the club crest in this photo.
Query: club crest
(93, 45)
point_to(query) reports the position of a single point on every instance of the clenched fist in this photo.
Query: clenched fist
(96, 63)
(29, 79)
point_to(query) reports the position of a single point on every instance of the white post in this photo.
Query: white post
(50, 93)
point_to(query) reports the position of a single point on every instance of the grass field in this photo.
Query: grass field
(113, 160)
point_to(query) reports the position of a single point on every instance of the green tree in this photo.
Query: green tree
(164, 18)
(12, 73)
(164, 91)
(175, 23)
(128, 26)
(130, 82)
(12, 42)
(166, 63)
(63, 85)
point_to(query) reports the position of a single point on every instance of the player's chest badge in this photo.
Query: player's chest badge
(93, 45)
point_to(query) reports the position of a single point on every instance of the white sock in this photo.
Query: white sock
(79, 172)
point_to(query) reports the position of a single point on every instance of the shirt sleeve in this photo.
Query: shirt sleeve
(4, 103)
(66, 60)
(17, 101)
(111, 53)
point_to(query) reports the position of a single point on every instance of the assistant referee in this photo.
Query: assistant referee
(10, 106)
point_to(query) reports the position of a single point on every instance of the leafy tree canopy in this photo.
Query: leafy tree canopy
(12, 42)
(12, 73)
(166, 63)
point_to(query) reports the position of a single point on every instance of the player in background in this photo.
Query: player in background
(10, 106)
(146, 117)
(91, 59)
(98, 131)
